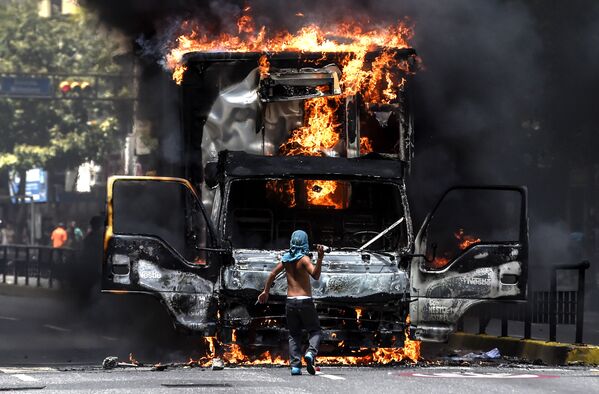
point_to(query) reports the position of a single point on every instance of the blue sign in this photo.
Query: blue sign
(36, 185)
(26, 86)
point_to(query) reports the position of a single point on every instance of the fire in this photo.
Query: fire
(323, 193)
(211, 343)
(358, 314)
(235, 356)
(465, 240)
(320, 133)
(283, 190)
(365, 146)
(232, 354)
(178, 74)
(263, 66)
(349, 38)
(321, 130)
(132, 359)
(439, 262)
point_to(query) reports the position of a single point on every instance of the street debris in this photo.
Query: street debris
(110, 362)
(113, 362)
(492, 354)
(218, 364)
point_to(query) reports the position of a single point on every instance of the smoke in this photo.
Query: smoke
(507, 93)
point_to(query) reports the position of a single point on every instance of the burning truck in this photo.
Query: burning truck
(316, 133)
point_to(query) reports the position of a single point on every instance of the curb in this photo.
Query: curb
(551, 353)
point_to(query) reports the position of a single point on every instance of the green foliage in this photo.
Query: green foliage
(55, 134)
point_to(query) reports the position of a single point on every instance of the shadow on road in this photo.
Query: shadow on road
(56, 327)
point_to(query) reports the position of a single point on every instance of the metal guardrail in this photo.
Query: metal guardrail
(34, 262)
(550, 307)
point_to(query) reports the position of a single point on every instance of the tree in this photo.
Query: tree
(55, 134)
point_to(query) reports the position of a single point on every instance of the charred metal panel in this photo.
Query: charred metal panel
(240, 164)
(302, 84)
(442, 297)
(344, 275)
(234, 120)
(147, 265)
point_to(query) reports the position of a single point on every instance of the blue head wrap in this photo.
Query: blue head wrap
(298, 247)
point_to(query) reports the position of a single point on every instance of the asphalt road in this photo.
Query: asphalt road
(54, 344)
(56, 330)
(329, 380)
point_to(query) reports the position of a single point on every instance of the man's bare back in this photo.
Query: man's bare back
(298, 276)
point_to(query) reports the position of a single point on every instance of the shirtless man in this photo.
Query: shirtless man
(300, 311)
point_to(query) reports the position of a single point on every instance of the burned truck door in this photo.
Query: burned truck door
(473, 247)
(160, 241)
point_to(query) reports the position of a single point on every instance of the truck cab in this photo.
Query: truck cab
(204, 243)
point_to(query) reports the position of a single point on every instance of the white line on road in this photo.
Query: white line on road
(8, 318)
(17, 370)
(56, 328)
(332, 377)
(24, 378)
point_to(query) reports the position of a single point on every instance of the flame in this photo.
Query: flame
(323, 193)
(465, 240)
(211, 344)
(319, 135)
(178, 74)
(283, 189)
(439, 262)
(234, 356)
(233, 353)
(348, 37)
(358, 314)
(320, 132)
(132, 359)
(365, 146)
(263, 66)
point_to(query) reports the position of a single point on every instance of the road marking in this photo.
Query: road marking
(56, 328)
(475, 375)
(24, 378)
(17, 370)
(8, 318)
(332, 377)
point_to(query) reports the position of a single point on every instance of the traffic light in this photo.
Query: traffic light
(75, 88)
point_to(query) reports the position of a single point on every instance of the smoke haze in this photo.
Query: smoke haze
(507, 93)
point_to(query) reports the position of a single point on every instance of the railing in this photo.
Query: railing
(550, 307)
(39, 263)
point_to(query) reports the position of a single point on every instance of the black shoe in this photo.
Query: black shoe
(310, 363)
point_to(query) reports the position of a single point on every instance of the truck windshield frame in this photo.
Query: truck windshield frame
(260, 214)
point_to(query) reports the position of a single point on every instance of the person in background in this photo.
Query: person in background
(8, 234)
(88, 271)
(75, 235)
(59, 236)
